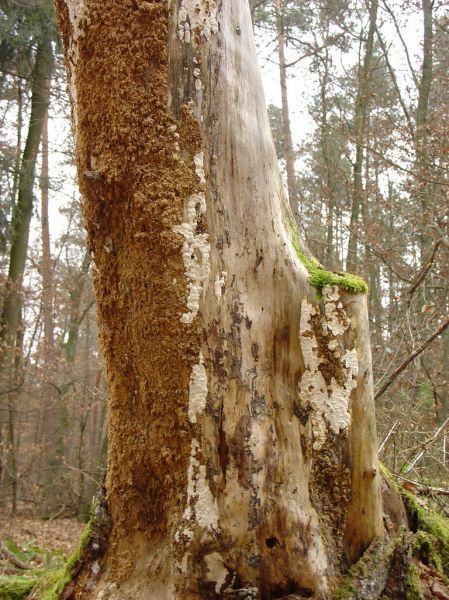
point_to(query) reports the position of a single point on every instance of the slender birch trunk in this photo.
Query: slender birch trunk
(242, 446)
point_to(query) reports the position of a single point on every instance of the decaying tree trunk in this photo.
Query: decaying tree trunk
(242, 445)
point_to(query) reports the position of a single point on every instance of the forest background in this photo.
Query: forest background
(366, 165)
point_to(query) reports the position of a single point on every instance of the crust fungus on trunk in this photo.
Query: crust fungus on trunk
(242, 446)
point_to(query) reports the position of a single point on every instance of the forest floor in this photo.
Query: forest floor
(56, 535)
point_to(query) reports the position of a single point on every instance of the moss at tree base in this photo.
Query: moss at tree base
(432, 534)
(51, 585)
(409, 565)
(366, 579)
(413, 584)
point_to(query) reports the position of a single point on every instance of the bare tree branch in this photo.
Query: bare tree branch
(409, 358)
(427, 267)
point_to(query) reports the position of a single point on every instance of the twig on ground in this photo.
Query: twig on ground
(13, 558)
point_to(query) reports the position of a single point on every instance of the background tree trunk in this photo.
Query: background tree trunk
(286, 128)
(242, 444)
(330, 166)
(57, 427)
(12, 305)
(360, 121)
(424, 191)
(11, 334)
(46, 267)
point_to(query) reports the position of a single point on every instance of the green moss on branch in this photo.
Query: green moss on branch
(318, 276)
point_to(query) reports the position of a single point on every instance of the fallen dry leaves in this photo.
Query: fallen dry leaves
(432, 584)
(57, 534)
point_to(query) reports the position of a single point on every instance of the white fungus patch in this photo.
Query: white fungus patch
(197, 16)
(219, 284)
(197, 390)
(334, 321)
(206, 508)
(351, 361)
(195, 253)
(201, 507)
(198, 84)
(193, 463)
(95, 567)
(198, 161)
(196, 247)
(329, 402)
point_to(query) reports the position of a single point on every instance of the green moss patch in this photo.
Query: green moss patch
(54, 582)
(413, 589)
(318, 276)
(346, 591)
(418, 558)
(430, 543)
(16, 587)
(52, 585)
(432, 533)
(367, 578)
(44, 564)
